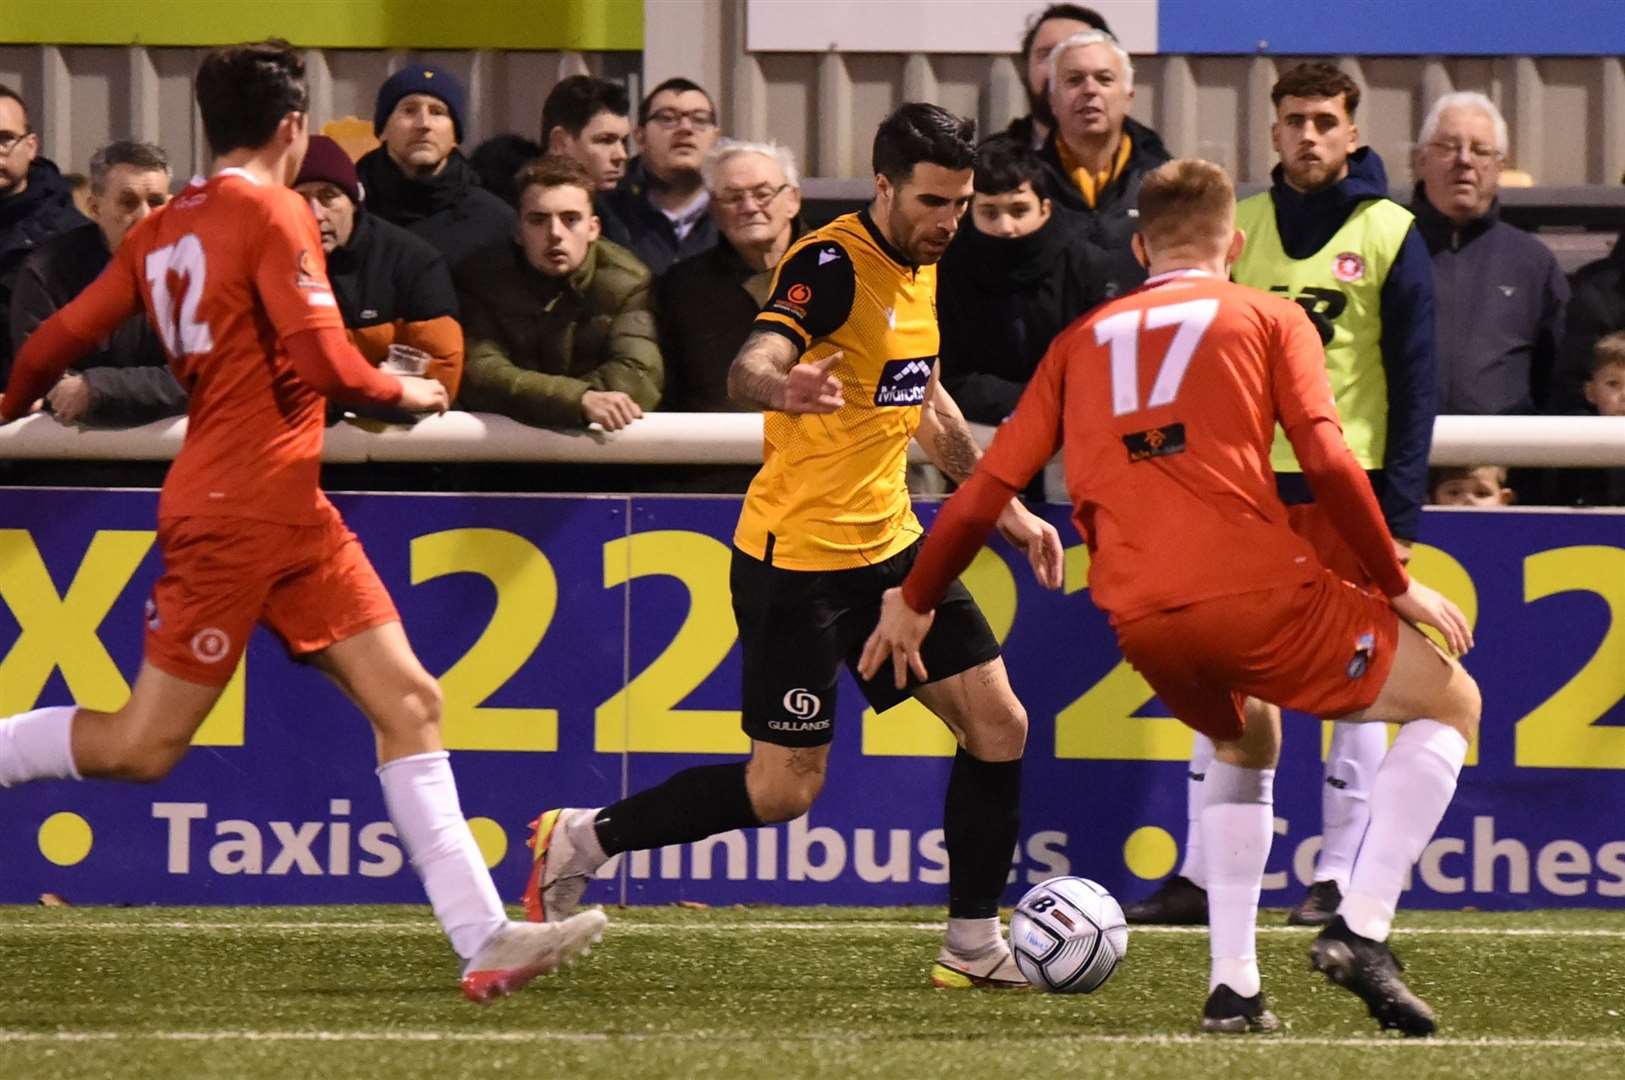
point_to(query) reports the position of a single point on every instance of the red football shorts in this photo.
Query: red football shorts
(309, 584)
(1312, 523)
(1324, 647)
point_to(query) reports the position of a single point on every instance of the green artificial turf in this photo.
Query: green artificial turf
(770, 992)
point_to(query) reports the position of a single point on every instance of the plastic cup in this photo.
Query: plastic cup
(405, 360)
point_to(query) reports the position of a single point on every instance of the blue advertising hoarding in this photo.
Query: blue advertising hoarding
(586, 648)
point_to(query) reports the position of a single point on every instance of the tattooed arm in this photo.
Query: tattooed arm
(944, 434)
(765, 375)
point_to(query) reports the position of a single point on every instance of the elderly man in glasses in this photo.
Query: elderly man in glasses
(663, 201)
(1498, 291)
(708, 301)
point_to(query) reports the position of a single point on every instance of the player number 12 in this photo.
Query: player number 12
(183, 333)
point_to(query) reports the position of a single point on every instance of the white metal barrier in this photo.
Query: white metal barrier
(735, 439)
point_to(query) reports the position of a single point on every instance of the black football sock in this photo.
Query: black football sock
(981, 820)
(692, 805)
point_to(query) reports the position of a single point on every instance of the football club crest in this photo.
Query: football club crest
(1348, 266)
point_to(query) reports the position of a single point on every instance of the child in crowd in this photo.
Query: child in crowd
(1605, 390)
(1473, 485)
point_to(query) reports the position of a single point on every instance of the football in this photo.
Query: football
(1068, 935)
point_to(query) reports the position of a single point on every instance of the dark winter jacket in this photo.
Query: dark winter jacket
(450, 210)
(537, 344)
(128, 374)
(1307, 223)
(1001, 302)
(42, 210)
(706, 305)
(652, 236)
(1109, 224)
(1499, 297)
(393, 288)
(1596, 309)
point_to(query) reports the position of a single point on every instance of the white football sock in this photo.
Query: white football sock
(1412, 790)
(581, 826)
(972, 937)
(422, 800)
(1345, 800)
(37, 745)
(1191, 868)
(1238, 823)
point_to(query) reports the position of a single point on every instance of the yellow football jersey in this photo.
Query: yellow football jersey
(832, 492)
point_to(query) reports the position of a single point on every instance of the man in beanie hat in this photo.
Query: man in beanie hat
(418, 179)
(393, 288)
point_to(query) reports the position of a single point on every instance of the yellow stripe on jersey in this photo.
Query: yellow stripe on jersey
(832, 492)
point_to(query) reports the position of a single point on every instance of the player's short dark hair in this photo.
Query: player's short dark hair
(1609, 350)
(1003, 164)
(554, 170)
(675, 85)
(573, 103)
(1075, 12)
(1187, 201)
(8, 92)
(139, 155)
(917, 131)
(1317, 80)
(244, 91)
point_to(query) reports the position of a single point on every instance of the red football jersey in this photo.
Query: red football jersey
(227, 271)
(1168, 398)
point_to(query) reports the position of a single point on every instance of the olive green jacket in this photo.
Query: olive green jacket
(536, 344)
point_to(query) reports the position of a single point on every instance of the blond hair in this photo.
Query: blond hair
(1187, 202)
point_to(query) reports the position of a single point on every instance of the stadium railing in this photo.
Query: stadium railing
(734, 439)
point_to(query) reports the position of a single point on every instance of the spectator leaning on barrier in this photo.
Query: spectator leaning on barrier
(418, 179)
(1047, 29)
(707, 302)
(1096, 157)
(392, 287)
(35, 202)
(662, 201)
(1326, 235)
(1498, 291)
(127, 379)
(1008, 284)
(587, 119)
(1596, 309)
(559, 328)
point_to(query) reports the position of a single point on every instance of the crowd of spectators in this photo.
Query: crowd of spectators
(613, 266)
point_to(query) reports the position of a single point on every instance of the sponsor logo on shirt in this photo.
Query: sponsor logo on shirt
(1155, 442)
(306, 276)
(828, 255)
(902, 382)
(795, 300)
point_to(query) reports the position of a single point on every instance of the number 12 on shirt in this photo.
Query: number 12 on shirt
(183, 333)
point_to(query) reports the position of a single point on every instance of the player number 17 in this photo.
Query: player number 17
(1122, 333)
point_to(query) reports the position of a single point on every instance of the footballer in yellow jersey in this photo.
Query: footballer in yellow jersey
(843, 361)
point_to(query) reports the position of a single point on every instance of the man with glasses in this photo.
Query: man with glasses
(1326, 236)
(707, 302)
(36, 203)
(1499, 291)
(663, 202)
